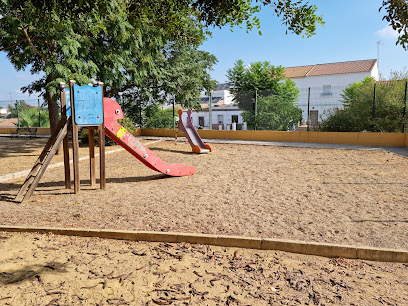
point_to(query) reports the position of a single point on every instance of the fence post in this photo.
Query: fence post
(210, 111)
(174, 117)
(405, 108)
(308, 109)
(140, 114)
(256, 108)
(18, 113)
(373, 114)
(39, 112)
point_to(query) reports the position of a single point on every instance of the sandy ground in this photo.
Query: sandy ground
(58, 270)
(339, 196)
(323, 195)
(21, 153)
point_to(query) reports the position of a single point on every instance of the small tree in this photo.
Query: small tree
(274, 113)
(276, 95)
(160, 118)
(21, 105)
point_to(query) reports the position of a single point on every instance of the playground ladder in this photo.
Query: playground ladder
(43, 161)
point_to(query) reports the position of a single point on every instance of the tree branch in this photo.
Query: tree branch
(32, 46)
(111, 92)
(19, 42)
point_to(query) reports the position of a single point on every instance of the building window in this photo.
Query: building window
(200, 121)
(327, 90)
(220, 119)
(234, 118)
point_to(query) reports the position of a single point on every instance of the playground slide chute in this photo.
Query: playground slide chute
(191, 133)
(112, 113)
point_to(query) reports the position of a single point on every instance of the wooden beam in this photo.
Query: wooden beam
(92, 155)
(67, 169)
(102, 150)
(75, 141)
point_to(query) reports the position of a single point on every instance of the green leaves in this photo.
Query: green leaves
(397, 16)
(357, 115)
(273, 113)
(276, 95)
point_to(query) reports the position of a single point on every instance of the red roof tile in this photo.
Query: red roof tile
(343, 67)
(330, 68)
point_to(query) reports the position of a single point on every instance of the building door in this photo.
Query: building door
(201, 121)
(314, 118)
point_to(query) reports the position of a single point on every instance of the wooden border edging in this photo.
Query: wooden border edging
(293, 246)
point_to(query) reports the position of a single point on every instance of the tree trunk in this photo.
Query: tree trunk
(52, 105)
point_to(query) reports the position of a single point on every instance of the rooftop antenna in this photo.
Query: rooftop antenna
(378, 54)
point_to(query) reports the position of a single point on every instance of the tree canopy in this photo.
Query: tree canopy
(149, 47)
(264, 86)
(397, 16)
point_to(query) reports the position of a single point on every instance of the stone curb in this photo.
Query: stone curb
(293, 246)
(15, 175)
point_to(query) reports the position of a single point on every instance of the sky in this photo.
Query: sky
(351, 32)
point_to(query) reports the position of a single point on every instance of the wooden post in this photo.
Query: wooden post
(75, 142)
(65, 141)
(102, 149)
(92, 155)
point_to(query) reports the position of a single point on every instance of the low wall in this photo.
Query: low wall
(40, 131)
(364, 139)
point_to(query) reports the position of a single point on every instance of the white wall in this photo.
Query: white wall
(226, 112)
(321, 101)
(333, 80)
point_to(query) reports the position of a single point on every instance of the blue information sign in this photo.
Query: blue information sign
(88, 103)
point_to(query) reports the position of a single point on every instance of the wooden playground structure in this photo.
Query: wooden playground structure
(81, 106)
(85, 106)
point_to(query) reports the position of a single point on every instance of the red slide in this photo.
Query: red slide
(112, 112)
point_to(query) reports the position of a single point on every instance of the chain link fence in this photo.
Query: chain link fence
(24, 113)
(363, 107)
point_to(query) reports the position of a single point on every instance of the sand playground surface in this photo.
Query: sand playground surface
(356, 197)
(39, 269)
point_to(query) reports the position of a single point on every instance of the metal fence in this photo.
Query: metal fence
(375, 106)
(24, 113)
(371, 107)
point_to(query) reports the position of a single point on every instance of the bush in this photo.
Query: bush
(357, 115)
(84, 134)
(29, 117)
(274, 113)
(160, 119)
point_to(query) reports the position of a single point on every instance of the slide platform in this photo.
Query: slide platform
(112, 113)
(191, 133)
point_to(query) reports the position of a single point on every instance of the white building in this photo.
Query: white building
(223, 112)
(4, 112)
(326, 83)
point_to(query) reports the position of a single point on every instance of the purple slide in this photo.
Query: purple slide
(191, 133)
